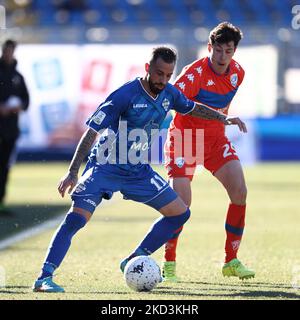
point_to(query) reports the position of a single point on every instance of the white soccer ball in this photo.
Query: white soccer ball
(142, 273)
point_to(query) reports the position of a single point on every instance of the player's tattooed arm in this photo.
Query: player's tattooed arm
(70, 179)
(83, 148)
(207, 113)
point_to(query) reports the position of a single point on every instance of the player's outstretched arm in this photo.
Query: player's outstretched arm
(205, 112)
(83, 148)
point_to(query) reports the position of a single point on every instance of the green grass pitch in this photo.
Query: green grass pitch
(91, 268)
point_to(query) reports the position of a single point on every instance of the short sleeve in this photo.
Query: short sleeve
(108, 113)
(181, 103)
(189, 80)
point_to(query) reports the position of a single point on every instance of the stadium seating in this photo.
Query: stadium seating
(151, 12)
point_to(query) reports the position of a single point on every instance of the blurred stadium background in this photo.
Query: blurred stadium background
(74, 52)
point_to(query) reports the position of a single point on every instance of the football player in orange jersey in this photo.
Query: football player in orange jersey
(213, 80)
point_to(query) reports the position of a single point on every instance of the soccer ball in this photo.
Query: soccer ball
(142, 273)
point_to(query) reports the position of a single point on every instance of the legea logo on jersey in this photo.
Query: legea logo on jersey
(234, 79)
(139, 105)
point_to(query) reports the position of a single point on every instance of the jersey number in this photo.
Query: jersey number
(229, 150)
(158, 182)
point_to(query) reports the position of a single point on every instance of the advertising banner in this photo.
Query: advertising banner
(67, 83)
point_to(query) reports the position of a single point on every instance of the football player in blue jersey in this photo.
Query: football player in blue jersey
(124, 122)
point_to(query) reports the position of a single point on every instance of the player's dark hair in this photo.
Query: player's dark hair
(167, 54)
(224, 33)
(9, 43)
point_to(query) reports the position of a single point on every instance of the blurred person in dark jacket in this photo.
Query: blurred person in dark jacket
(14, 98)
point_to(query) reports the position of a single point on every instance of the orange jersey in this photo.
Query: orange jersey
(200, 83)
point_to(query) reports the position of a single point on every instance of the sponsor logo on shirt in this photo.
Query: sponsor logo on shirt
(234, 79)
(139, 146)
(139, 105)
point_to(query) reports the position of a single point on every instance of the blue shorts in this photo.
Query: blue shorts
(101, 181)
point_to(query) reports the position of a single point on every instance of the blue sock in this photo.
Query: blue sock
(61, 242)
(161, 231)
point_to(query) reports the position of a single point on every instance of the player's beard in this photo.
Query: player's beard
(153, 87)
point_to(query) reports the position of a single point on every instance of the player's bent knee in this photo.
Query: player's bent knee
(186, 215)
(86, 214)
(74, 222)
(174, 208)
(181, 219)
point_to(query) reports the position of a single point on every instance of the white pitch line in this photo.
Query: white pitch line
(31, 232)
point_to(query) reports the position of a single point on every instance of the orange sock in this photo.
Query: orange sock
(234, 226)
(171, 245)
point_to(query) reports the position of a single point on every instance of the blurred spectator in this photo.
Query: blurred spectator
(14, 98)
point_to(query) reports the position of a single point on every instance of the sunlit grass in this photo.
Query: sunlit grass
(91, 268)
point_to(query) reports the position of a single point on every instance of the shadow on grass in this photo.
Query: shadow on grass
(201, 293)
(238, 294)
(14, 290)
(22, 217)
(193, 294)
(242, 284)
(267, 290)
